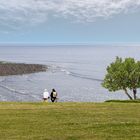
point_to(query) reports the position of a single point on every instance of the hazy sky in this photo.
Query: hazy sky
(69, 21)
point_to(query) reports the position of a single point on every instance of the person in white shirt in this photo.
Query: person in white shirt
(46, 95)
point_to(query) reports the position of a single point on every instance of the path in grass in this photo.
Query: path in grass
(69, 121)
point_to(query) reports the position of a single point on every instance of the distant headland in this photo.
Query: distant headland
(9, 68)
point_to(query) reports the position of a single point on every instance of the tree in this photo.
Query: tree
(123, 75)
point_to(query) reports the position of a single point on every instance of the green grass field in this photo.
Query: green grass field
(70, 121)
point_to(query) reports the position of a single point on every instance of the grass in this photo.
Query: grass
(69, 121)
(124, 101)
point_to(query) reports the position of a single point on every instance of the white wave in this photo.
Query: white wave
(2, 98)
(85, 77)
(62, 69)
(66, 71)
(13, 90)
(54, 68)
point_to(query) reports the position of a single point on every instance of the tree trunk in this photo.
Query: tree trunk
(128, 94)
(134, 93)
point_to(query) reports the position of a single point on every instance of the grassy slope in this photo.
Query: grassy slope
(69, 121)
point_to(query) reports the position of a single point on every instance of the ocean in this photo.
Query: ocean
(76, 72)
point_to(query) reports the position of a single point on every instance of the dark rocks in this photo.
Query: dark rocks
(20, 68)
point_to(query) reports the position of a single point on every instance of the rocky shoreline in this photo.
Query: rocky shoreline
(8, 68)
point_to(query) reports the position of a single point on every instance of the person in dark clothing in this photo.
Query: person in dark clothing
(53, 95)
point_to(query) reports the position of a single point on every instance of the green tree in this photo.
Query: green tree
(123, 75)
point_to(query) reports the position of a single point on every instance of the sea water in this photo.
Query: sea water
(76, 72)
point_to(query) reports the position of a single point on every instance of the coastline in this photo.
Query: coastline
(10, 68)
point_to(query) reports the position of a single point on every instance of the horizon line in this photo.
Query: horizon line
(69, 44)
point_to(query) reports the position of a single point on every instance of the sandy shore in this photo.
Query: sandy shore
(8, 68)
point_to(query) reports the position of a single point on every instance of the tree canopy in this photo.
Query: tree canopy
(123, 75)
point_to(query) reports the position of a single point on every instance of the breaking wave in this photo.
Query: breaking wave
(80, 75)
(13, 90)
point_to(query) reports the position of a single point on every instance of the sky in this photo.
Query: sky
(69, 21)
